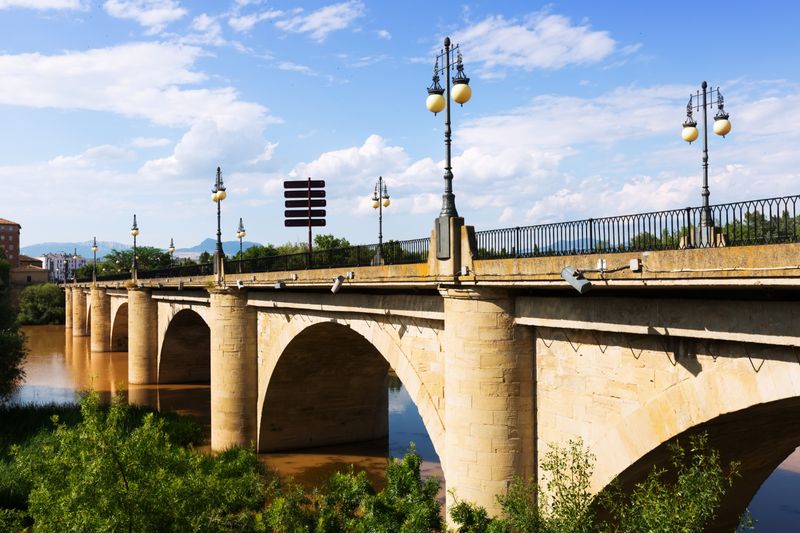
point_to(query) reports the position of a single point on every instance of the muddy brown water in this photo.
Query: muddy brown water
(59, 366)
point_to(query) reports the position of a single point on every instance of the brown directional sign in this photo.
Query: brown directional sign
(306, 203)
(307, 193)
(303, 222)
(304, 213)
(304, 184)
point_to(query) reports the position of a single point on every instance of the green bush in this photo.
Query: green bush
(108, 474)
(563, 503)
(41, 304)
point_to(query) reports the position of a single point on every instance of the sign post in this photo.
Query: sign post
(302, 196)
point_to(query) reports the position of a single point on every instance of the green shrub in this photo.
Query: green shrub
(108, 474)
(41, 304)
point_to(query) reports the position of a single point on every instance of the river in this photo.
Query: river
(59, 366)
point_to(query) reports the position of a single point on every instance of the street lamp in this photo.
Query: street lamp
(134, 233)
(66, 268)
(75, 265)
(722, 126)
(436, 102)
(94, 259)
(217, 195)
(240, 234)
(380, 199)
(171, 251)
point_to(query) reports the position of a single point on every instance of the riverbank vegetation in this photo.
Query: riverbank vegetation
(41, 305)
(122, 468)
(12, 341)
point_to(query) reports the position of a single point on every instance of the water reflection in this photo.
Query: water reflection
(59, 366)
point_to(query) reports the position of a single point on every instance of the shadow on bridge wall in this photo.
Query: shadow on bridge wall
(329, 386)
(185, 355)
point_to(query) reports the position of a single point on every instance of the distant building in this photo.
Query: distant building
(54, 265)
(24, 270)
(9, 240)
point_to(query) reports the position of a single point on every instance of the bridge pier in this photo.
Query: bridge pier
(68, 309)
(142, 337)
(234, 370)
(489, 396)
(100, 331)
(78, 312)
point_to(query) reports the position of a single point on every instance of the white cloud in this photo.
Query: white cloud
(207, 30)
(540, 41)
(318, 24)
(295, 67)
(266, 155)
(352, 167)
(245, 23)
(384, 34)
(154, 15)
(42, 5)
(150, 142)
(144, 80)
(92, 157)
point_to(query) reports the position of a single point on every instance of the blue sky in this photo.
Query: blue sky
(122, 106)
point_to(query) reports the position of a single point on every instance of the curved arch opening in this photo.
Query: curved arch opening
(119, 330)
(185, 355)
(329, 386)
(759, 438)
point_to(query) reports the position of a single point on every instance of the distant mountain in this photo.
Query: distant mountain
(104, 247)
(209, 245)
(84, 249)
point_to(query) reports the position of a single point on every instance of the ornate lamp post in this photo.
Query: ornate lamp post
(94, 259)
(240, 234)
(217, 195)
(134, 234)
(380, 199)
(66, 268)
(171, 251)
(722, 126)
(436, 102)
(74, 265)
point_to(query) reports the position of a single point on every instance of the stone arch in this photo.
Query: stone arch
(184, 355)
(743, 404)
(383, 338)
(119, 327)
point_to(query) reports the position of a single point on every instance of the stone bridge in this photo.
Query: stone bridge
(501, 357)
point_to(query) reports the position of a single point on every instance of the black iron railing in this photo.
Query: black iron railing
(394, 253)
(111, 277)
(772, 220)
(182, 271)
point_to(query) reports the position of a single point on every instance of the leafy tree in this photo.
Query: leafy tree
(105, 474)
(41, 304)
(687, 504)
(563, 503)
(12, 341)
(325, 241)
(257, 252)
(119, 261)
(205, 257)
(348, 502)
